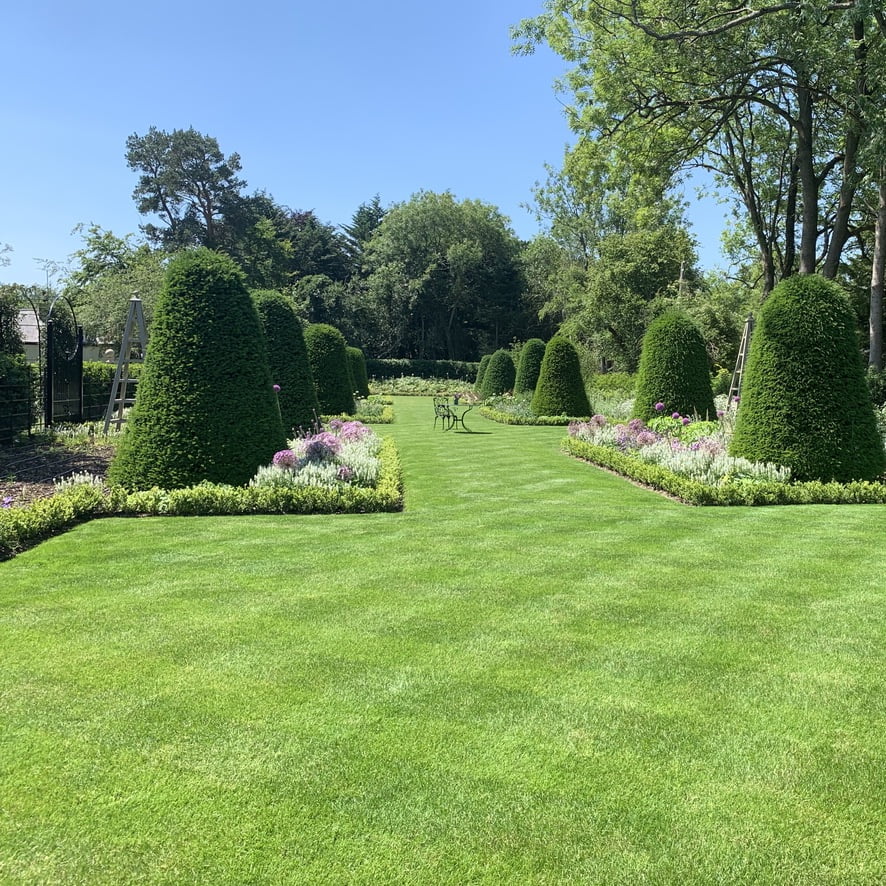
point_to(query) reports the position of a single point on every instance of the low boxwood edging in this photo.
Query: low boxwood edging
(734, 492)
(510, 418)
(24, 527)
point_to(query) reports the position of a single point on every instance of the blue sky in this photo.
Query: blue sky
(326, 103)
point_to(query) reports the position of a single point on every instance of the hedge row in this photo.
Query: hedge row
(509, 418)
(23, 527)
(736, 492)
(454, 369)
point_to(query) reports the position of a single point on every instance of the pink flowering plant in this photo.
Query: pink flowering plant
(343, 453)
(680, 443)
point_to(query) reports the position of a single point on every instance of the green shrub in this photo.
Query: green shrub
(328, 356)
(360, 377)
(382, 370)
(804, 401)
(16, 398)
(482, 366)
(500, 374)
(288, 360)
(876, 381)
(674, 369)
(721, 381)
(531, 355)
(205, 408)
(560, 389)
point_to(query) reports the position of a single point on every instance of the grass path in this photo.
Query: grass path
(538, 673)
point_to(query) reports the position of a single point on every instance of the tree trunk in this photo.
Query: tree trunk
(875, 355)
(808, 182)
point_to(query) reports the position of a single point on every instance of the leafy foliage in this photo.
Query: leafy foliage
(529, 366)
(328, 358)
(500, 374)
(674, 369)
(205, 408)
(804, 400)
(357, 363)
(560, 389)
(481, 371)
(287, 360)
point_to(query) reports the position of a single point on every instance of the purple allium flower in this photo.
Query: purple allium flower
(736, 399)
(686, 420)
(7, 501)
(354, 430)
(675, 415)
(720, 413)
(276, 389)
(285, 458)
(335, 424)
(345, 473)
(636, 425)
(322, 446)
(646, 438)
(659, 407)
(598, 421)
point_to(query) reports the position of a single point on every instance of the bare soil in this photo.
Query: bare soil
(28, 471)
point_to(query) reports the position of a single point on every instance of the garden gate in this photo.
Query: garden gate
(63, 375)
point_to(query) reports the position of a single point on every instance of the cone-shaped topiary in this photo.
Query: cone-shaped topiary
(328, 356)
(560, 389)
(481, 371)
(531, 355)
(288, 359)
(500, 374)
(804, 401)
(206, 408)
(674, 369)
(359, 375)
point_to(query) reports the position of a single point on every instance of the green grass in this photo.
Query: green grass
(537, 673)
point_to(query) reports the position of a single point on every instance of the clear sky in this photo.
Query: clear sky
(327, 104)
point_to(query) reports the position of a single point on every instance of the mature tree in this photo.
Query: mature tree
(108, 271)
(358, 233)
(185, 179)
(776, 98)
(445, 276)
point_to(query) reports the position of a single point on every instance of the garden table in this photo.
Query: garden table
(457, 414)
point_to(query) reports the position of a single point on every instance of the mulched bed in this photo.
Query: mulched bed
(28, 470)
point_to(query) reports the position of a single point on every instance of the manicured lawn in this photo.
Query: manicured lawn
(538, 673)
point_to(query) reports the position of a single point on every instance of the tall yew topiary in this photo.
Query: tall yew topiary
(481, 371)
(358, 371)
(804, 401)
(500, 374)
(205, 408)
(560, 389)
(288, 360)
(528, 368)
(328, 356)
(674, 369)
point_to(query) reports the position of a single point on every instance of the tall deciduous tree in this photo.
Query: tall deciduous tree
(774, 97)
(445, 276)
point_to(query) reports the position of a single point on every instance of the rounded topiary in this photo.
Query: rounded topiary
(560, 389)
(288, 360)
(804, 402)
(674, 369)
(206, 408)
(359, 375)
(528, 368)
(481, 371)
(500, 374)
(328, 356)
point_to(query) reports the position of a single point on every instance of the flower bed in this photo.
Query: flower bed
(689, 460)
(367, 478)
